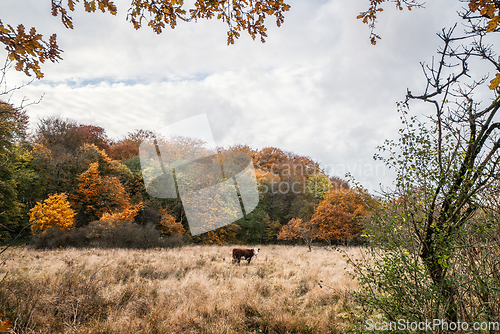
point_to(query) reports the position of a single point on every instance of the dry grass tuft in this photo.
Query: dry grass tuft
(193, 289)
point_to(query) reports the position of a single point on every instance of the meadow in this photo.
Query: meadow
(191, 289)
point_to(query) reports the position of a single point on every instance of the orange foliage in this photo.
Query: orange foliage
(339, 215)
(245, 149)
(264, 178)
(54, 211)
(127, 214)
(269, 158)
(169, 226)
(91, 134)
(5, 325)
(297, 229)
(353, 202)
(336, 218)
(220, 236)
(100, 194)
(124, 150)
(284, 172)
(333, 223)
(90, 153)
(489, 9)
(29, 50)
(129, 146)
(285, 164)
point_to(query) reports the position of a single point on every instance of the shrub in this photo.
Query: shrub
(106, 235)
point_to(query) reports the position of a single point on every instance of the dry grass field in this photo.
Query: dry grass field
(193, 289)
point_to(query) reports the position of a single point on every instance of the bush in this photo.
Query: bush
(106, 235)
(55, 211)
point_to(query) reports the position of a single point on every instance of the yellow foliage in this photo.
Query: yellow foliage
(495, 82)
(54, 211)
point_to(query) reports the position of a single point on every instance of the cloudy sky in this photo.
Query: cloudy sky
(316, 87)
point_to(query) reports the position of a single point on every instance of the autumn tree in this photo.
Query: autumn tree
(124, 150)
(339, 183)
(55, 133)
(28, 49)
(297, 229)
(168, 226)
(271, 159)
(102, 186)
(283, 178)
(334, 224)
(355, 202)
(99, 193)
(128, 147)
(62, 150)
(337, 218)
(55, 211)
(65, 136)
(91, 134)
(245, 149)
(123, 214)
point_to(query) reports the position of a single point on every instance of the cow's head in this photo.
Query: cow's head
(256, 251)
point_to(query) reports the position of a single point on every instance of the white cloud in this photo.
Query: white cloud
(316, 87)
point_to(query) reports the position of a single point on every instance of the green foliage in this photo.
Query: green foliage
(307, 209)
(63, 149)
(10, 207)
(433, 241)
(271, 232)
(28, 179)
(253, 228)
(13, 125)
(102, 177)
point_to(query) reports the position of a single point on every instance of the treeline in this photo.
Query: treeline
(70, 184)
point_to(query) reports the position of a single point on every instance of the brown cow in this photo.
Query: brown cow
(246, 254)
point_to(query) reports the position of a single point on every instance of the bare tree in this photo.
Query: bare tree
(434, 236)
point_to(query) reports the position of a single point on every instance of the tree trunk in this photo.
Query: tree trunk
(437, 271)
